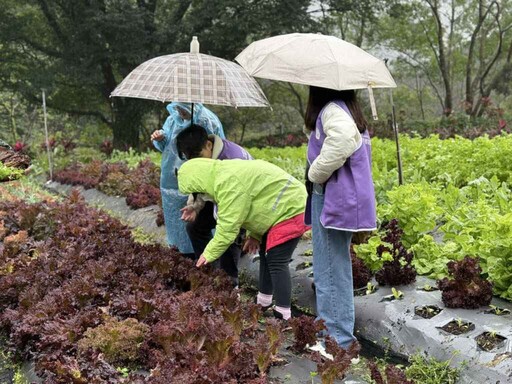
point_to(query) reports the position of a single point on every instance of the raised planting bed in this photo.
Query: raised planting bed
(140, 186)
(396, 326)
(144, 218)
(82, 302)
(400, 327)
(82, 298)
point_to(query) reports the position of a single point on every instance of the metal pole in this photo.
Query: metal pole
(395, 131)
(50, 166)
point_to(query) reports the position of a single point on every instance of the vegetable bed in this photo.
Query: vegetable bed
(90, 305)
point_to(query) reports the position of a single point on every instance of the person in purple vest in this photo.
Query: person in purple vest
(200, 213)
(341, 200)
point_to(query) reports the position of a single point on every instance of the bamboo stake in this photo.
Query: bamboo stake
(50, 165)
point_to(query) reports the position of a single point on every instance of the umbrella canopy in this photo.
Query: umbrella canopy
(192, 78)
(315, 59)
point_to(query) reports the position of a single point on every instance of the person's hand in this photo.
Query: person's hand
(188, 214)
(158, 135)
(202, 261)
(251, 246)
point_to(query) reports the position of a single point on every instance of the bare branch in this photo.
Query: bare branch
(431, 43)
(491, 64)
(424, 69)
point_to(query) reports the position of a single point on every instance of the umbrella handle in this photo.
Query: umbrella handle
(192, 114)
(372, 102)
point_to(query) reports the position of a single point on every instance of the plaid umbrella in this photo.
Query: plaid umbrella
(192, 78)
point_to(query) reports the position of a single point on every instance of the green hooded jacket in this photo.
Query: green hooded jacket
(254, 195)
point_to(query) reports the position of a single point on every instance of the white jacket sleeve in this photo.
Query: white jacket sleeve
(196, 203)
(341, 141)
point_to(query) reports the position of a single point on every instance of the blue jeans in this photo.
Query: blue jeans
(332, 273)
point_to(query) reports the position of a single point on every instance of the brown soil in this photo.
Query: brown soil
(303, 265)
(455, 328)
(428, 311)
(431, 289)
(498, 311)
(489, 341)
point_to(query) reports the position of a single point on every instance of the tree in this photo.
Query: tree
(80, 50)
(458, 42)
(76, 51)
(355, 21)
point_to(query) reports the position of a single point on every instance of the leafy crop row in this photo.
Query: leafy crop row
(140, 185)
(82, 299)
(455, 201)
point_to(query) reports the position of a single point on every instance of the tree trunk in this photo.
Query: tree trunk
(419, 91)
(12, 117)
(243, 134)
(128, 114)
(443, 62)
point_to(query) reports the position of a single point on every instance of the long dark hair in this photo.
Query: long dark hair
(320, 97)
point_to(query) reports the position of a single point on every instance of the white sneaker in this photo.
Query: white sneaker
(320, 348)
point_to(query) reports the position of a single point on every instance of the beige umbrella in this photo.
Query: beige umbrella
(192, 78)
(322, 61)
(315, 59)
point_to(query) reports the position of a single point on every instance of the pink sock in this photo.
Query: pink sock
(286, 312)
(264, 300)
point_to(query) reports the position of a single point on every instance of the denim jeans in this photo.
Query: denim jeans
(332, 273)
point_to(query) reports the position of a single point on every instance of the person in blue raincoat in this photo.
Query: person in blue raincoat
(165, 141)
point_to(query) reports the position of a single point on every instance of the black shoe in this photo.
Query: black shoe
(278, 315)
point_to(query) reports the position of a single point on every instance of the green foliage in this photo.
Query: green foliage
(27, 189)
(397, 294)
(119, 341)
(291, 159)
(368, 253)
(62, 159)
(9, 173)
(455, 200)
(416, 208)
(431, 371)
(48, 45)
(132, 158)
(142, 237)
(446, 208)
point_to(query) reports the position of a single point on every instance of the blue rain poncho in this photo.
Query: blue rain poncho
(172, 200)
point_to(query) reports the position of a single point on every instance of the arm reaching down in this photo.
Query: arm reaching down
(233, 207)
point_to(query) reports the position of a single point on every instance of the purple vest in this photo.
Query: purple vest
(349, 203)
(231, 150)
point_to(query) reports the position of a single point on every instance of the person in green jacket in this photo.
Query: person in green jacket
(264, 200)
